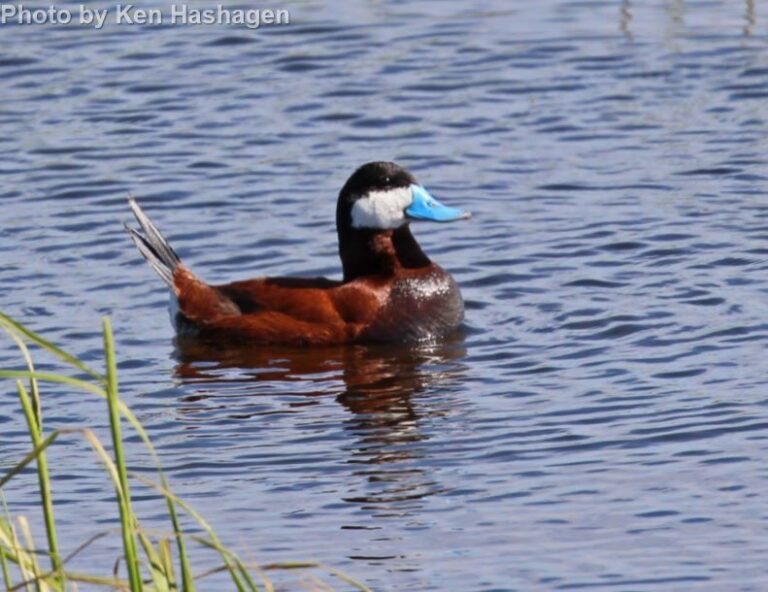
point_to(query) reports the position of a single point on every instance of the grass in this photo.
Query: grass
(149, 562)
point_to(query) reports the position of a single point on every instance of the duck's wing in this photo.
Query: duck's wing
(271, 327)
(281, 310)
(259, 311)
(305, 298)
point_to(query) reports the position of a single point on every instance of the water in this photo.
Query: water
(601, 421)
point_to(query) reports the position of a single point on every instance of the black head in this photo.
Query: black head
(377, 176)
(376, 203)
(373, 177)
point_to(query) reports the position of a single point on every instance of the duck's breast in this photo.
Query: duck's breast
(421, 304)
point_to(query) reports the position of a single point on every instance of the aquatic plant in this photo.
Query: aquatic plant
(152, 563)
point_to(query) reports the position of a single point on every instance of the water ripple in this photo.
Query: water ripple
(602, 415)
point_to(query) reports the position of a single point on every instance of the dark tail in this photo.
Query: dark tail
(156, 250)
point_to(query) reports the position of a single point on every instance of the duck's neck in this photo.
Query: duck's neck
(379, 252)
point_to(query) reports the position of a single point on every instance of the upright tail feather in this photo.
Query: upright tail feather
(156, 250)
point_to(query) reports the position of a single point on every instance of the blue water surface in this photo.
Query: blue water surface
(600, 423)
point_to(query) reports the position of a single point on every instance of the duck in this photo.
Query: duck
(390, 290)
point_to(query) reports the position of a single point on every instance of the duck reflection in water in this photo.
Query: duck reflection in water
(378, 385)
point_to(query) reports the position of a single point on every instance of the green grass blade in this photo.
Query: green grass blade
(187, 581)
(159, 557)
(186, 572)
(17, 554)
(128, 521)
(50, 439)
(51, 377)
(33, 565)
(166, 556)
(72, 577)
(85, 545)
(33, 387)
(127, 518)
(346, 578)
(43, 478)
(226, 555)
(4, 560)
(48, 346)
(114, 583)
(156, 568)
(321, 566)
(229, 558)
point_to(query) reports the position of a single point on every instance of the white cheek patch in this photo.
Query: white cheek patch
(382, 209)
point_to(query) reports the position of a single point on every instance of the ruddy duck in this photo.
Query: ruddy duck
(391, 290)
